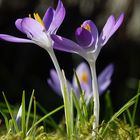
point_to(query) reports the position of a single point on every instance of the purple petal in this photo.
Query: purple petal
(31, 27)
(48, 17)
(84, 77)
(58, 17)
(117, 24)
(110, 28)
(83, 37)
(18, 24)
(55, 83)
(93, 29)
(104, 79)
(106, 30)
(59, 5)
(14, 39)
(66, 45)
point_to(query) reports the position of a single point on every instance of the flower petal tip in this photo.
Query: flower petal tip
(121, 17)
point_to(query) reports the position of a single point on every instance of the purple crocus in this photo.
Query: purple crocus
(37, 30)
(84, 76)
(88, 43)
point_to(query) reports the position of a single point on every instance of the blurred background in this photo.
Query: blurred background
(26, 66)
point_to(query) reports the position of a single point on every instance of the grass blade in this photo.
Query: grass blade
(77, 105)
(82, 97)
(11, 114)
(118, 113)
(42, 119)
(78, 82)
(29, 112)
(6, 120)
(135, 105)
(23, 114)
(49, 121)
(72, 115)
(108, 106)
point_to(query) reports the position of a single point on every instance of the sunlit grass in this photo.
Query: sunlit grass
(120, 125)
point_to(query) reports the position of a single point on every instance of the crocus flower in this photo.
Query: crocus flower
(84, 76)
(37, 30)
(88, 43)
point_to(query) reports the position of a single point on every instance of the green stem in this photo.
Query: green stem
(96, 98)
(64, 90)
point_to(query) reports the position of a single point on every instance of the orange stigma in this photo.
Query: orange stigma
(84, 77)
(87, 27)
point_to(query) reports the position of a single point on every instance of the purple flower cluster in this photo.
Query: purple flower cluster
(88, 44)
(43, 32)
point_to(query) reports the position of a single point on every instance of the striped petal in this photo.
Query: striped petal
(48, 17)
(58, 17)
(32, 27)
(63, 44)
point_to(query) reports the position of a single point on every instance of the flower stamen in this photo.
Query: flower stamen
(87, 27)
(38, 18)
(84, 77)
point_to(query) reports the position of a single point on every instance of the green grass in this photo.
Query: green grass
(119, 125)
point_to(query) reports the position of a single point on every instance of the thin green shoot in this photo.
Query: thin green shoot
(83, 105)
(23, 114)
(77, 105)
(72, 116)
(118, 113)
(34, 118)
(11, 114)
(78, 82)
(135, 106)
(43, 118)
(5, 120)
(11, 126)
(67, 107)
(108, 106)
(49, 121)
(29, 112)
(129, 117)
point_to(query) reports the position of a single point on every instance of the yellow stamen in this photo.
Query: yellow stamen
(87, 27)
(38, 18)
(84, 77)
